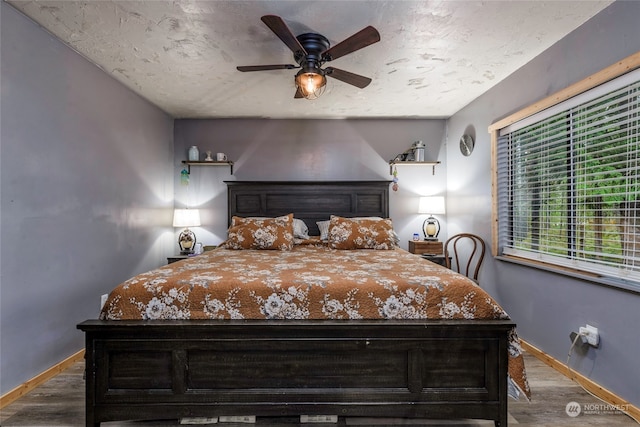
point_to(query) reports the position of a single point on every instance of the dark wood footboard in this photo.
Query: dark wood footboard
(418, 369)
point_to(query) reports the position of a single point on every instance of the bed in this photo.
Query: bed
(298, 345)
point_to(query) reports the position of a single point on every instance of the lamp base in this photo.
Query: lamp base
(431, 229)
(431, 239)
(186, 242)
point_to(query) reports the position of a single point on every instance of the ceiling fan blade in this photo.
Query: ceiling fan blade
(266, 67)
(362, 38)
(277, 25)
(347, 77)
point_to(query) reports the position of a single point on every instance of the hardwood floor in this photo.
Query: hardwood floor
(60, 402)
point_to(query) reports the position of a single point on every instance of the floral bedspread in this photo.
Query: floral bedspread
(309, 282)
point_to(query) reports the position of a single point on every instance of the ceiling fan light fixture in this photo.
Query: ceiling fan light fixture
(311, 83)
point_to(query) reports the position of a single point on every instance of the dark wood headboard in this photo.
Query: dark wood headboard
(310, 201)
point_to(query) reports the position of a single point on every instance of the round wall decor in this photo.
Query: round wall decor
(466, 145)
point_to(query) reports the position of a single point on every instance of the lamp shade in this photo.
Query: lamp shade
(431, 205)
(186, 218)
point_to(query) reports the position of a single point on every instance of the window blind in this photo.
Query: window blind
(568, 182)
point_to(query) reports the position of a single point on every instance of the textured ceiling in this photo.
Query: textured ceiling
(434, 57)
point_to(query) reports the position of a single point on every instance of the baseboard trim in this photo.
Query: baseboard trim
(599, 391)
(34, 382)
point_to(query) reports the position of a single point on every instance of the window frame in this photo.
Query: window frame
(612, 72)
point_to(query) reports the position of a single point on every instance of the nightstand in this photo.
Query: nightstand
(429, 247)
(438, 259)
(175, 258)
(431, 250)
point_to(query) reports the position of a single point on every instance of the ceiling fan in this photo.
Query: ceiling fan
(311, 51)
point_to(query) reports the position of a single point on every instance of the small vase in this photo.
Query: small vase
(194, 154)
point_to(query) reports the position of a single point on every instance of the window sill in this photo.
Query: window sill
(613, 282)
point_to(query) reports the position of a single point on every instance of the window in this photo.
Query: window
(568, 183)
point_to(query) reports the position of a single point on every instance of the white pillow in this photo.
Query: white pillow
(300, 229)
(323, 226)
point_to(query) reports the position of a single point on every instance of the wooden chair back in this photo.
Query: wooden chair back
(464, 253)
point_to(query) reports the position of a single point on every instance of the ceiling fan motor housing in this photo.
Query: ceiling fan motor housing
(314, 44)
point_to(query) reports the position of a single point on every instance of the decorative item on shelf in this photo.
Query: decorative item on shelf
(430, 206)
(405, 156)
(186, 218)
(413, 154)
(221, 157)
(194, 154)
(208, 158)
(418, 151)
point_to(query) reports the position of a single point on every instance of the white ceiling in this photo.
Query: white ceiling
(434, 57)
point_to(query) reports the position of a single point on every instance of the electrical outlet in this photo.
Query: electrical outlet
(591, 334)
(579, 341)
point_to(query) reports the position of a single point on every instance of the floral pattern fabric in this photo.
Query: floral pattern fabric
(261, 233)
(311, 281)
(361, 233)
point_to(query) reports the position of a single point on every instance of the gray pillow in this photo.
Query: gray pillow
(323, 226)
(300, 229)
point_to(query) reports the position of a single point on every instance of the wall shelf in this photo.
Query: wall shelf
(393, 163)
(190, 163)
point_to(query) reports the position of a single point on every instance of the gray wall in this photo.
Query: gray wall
(86, 195)
(290, 150)
(546, 306)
